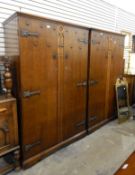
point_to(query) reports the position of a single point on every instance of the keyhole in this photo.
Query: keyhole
(55, 56)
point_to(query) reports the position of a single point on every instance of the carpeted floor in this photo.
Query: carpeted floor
(100, 153)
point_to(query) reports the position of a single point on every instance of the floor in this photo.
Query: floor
(128, 168)
(100, 153)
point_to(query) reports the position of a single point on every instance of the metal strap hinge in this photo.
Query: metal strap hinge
(30, 93)
(81, 123)
(92, 118)
(29, 146)
(84, 41)
(26, 33)
(95, 42)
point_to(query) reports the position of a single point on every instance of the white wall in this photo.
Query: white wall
(90, 13)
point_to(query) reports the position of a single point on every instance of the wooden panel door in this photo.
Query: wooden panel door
(116, 69)
(97, 77)
(39, 85)
(74, 81)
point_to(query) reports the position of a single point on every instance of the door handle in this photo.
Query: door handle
(93, 82)
(84, 83)
(28, 93)
(92, 118)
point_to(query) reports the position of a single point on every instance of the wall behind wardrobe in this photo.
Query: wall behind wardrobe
(90, 13)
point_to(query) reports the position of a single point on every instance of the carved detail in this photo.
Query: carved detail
(61, 38)
(8, 79)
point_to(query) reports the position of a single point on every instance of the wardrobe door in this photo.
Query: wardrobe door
(116, 68)
(97, 77)
(39, 85)
(74, 81)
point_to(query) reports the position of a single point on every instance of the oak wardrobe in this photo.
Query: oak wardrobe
(61, 76)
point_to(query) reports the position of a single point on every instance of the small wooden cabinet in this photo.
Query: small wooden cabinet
(9, 146)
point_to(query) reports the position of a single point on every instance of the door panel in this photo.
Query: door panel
(39, 75)
(74, 74)
(106, 64)
(97, 77)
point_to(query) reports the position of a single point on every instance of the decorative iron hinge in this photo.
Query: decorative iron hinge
(95, 42)
(26, 33)
(84, 41)
(92, 118)
(29, 146)
(81, 123)
(30, 93)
